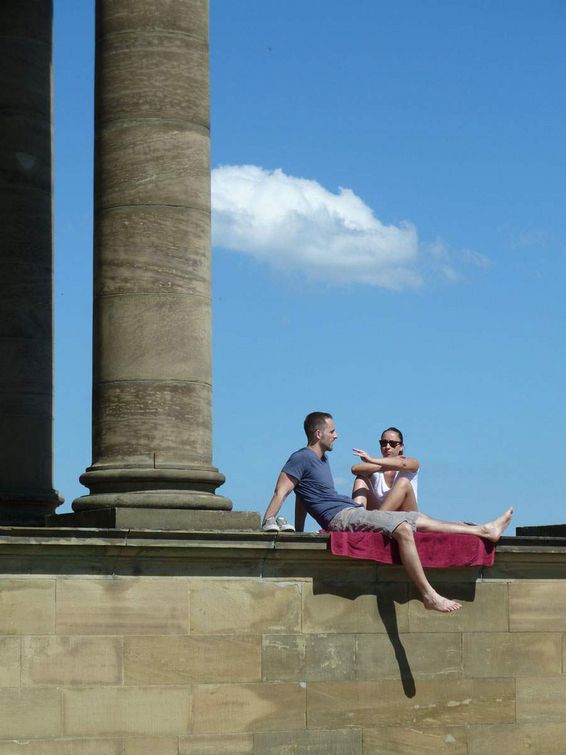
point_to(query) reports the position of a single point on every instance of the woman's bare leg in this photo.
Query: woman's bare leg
(403, 535)
(490, 530)
(401, 497)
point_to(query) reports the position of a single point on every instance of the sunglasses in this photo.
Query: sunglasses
(392, 443)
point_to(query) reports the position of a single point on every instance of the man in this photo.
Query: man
(307, 471)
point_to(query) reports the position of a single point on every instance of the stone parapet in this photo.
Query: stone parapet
(117, 642)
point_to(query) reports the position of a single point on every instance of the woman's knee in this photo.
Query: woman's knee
(403, 484)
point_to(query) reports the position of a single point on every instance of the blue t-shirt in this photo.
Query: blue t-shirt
(316, 486)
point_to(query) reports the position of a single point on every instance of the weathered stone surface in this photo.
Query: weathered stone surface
(520, 654)
(420, 740)
(151, 337)
(9, 661)
(342, 606)
(537, 606)
(173, 258)
(62, 747)
(283, 658)
(139, 421)
(334, 742)
(122, 605)
(140, 15)
(242, 606)
(139, 338)
(223, 708)
(27, 606)
(435, 702)
(151, 746)
(377, 657)
(28, 713)
(519, 739)
(147, 62)
(71, 661)
(541, 699)
(26, 264)
(123, 711)
(182, 660)
(311, 658)
(484, 604)
(211, 744)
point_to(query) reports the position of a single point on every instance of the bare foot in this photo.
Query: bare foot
(494, 530)
(435, 602)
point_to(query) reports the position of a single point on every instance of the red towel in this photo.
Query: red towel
(435, 549)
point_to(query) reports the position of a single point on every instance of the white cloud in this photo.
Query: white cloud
(296, 224)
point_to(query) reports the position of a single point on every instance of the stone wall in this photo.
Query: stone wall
(170, 644)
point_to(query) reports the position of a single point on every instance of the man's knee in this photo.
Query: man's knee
(403, 531)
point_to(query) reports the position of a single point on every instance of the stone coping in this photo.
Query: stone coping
(65, 550)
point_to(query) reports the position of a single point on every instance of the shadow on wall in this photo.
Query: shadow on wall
(387, 596)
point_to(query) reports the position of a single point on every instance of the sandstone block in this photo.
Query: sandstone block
(182, 660)
(122, 605)
(436, 702)
(537, 606)
(541, 699)
(420, 740)
(62, 747)
(310, 742)
(283, 658)
(484, 605)
(514, 654)
(210, 744)
(29, 713)
(27, 606)
(123, 711)
(71, 661)
(342, 607)
(420, 654)
(519, 739)
(223, 708)
(9, 661)
(245, 606)
(151, 746)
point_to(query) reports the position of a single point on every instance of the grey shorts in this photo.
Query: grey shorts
(360, 519)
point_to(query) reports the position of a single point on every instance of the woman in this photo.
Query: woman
(388, 483)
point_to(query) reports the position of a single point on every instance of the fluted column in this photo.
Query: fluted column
(152, 444)
(26, 263)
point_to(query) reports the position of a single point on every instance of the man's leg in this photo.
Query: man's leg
(490, 530)
(403, 535)
(401, 497)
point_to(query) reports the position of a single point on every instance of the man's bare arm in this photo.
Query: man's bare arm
(284, 485)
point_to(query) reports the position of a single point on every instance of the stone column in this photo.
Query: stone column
(152, 444)
(26, 263)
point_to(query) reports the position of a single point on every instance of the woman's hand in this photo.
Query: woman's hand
(364, 456)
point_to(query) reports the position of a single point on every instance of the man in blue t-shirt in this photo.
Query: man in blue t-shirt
(307, 472)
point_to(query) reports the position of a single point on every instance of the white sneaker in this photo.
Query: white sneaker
(284, 525)
(270, 525)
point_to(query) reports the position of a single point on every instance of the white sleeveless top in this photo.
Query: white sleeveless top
(380, 488)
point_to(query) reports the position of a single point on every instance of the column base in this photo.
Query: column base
(151, 488)
(158, 519)
(28, 509)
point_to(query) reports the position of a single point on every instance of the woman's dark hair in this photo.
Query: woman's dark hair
(393, 430)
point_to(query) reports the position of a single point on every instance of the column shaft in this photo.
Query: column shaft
(152, 429)
(26, 263)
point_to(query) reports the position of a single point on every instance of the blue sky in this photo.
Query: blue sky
(390, 243)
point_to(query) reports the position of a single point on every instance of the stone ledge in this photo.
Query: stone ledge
(66, 550)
